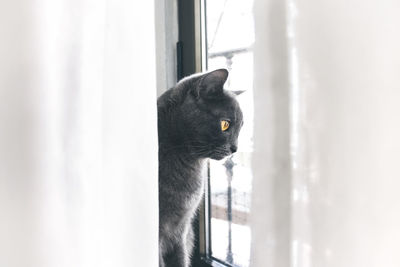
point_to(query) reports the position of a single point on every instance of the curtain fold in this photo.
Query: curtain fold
(326, 176)
(78, 134)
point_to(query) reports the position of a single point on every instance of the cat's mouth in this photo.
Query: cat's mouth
(220, 155)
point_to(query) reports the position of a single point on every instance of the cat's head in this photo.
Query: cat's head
(210, 117)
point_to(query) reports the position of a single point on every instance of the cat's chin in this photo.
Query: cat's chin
(218, 157)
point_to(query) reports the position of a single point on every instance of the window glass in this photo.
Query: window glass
(229, 41)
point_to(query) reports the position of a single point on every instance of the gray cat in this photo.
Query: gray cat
(197, 119)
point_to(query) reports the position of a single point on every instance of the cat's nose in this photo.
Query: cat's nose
(233, 148)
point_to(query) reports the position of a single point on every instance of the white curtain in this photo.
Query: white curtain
(327, 106)
(78, 133)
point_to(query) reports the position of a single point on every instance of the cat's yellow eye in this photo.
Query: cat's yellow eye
(224, 125)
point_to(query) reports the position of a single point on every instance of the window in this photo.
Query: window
(229, 39)
(219, 34)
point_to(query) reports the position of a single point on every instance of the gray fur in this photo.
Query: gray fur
(189, 129)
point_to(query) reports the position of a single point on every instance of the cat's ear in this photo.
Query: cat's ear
(212, 84)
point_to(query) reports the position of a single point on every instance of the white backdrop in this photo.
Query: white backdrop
(78, 137)
(327, 146)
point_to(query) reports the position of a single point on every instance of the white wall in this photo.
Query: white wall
(166, 39)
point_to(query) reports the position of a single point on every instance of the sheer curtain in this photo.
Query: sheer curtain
(78, 133)
(326, 161)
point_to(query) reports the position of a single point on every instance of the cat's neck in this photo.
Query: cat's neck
(182, 168)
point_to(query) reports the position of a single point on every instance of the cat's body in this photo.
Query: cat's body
(190, 117)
